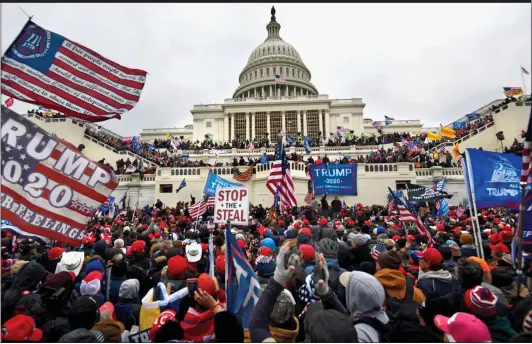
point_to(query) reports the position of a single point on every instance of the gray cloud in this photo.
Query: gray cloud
(434, 62)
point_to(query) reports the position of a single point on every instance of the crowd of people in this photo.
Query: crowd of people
(327, 273)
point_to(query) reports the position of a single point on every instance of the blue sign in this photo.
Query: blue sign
(457, 125)
(334, 179)
(214, 182)
(473, 116)
(527, 223)
(443, 207)
(494, 178)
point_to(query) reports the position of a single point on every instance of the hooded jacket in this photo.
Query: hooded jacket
(127, 310)
(394, 283)
(436, 283)
(468, 251)
(28, 278)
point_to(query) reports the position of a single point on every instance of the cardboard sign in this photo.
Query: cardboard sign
(140, 337)
(232, 204)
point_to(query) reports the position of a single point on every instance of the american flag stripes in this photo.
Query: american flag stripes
(280, 179)
(526, 171)
(48, 187)
(460, 211)
(243, 176)
(200, 208)
(47, 69)
(407, 214)
(279, 79)
(309, 198)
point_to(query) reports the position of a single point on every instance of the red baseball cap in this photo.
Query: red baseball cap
(495, 238)
(21, 328)
(220, 264)
(206, 283)
(297, 225)
(281, 223)
(241, 243)
(157, 234)
(55, 253)
(265, 251)
(323, 222)
(177, 266)
(163, 318)
(138, 246)
(431, 255)
(500, 248)
(306, 231)
(307, 252)
(306, 222)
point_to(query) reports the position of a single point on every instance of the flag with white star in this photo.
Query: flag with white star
(48, 187)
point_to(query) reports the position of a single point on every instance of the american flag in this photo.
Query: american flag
(378, 249)
(9, 102)
(243, 176)
(460, 211)
(280, 178)
(279, 79)
(389, 118)
(251, 147)
(408, 214)
(443, 150)
(47, 69)
(526, 171)
(200, 208)
(309, 198)
(48, 187)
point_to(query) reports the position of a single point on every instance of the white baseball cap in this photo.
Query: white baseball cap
(193, 251)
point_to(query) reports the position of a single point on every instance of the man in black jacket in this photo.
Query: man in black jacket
(336, 205)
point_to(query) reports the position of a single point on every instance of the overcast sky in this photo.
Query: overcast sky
(433, 62)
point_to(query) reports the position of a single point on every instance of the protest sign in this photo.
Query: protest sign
(140, 337)
(232, 204)
(334, 179)
(214, 182)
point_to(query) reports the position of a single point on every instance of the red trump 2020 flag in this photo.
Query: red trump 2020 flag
(48, 187)
(44, 68)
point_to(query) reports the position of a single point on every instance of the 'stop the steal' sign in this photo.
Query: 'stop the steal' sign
(232, 204)
(334, 179)
(48, 187)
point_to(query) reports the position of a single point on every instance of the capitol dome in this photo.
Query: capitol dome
(274, 56)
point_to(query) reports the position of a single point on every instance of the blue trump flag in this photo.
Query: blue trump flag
(214, 182)
(439, 186)
(473, 116)
(264, 159)
(334, 179)
(457, 125)
(107, 204)
(136, 144)
(306, 143)
(242, 285)
(494, 178)
(182, 185)
(443, 207)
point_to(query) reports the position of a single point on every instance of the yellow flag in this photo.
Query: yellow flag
(447, 132)
(433, 136)
(456, 150)
(169, 136)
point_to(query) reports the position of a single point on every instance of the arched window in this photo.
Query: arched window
(262, 73)
(395, 168)
(255, 74)
(267, 71)
(371, 168)
(367, 168)
(274, 70)
(172, 173)
(380, 168)
(385, 168)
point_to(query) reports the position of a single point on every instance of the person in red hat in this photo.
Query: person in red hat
(21, 328)
(308, 255)
(198, 323)
(433, 280)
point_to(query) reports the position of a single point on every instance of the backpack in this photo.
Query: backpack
(377, 325)
(405, 309)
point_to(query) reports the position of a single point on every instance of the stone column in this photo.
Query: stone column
(226, 128)
(255, 92)
(271, 91)
(253, 126)
(248, 93)
(268, 130)
(263, 92)
(283, 116)
(305, 122)
(320, 121)
(247, 126)
(232, 127)
(327, 124)
(298, 119)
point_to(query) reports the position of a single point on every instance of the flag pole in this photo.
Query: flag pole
(523, 79)
(474, 207)
(519, 237)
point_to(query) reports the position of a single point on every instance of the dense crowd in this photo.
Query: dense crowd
(328, 273)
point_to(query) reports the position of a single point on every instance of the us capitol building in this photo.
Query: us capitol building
(259, 106)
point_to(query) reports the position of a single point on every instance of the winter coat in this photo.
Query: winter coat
(436, 283)
(394, 284)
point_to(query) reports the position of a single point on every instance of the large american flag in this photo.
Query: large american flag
(526, 171)
(460, 211)
(48, 187)
(243, 176)
(407, 214)
(200, 208)
(280, 178)
(47, 69)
